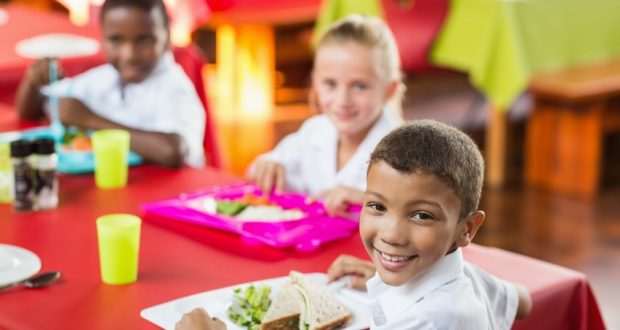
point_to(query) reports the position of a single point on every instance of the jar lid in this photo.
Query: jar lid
(44, 146)
(21, 148)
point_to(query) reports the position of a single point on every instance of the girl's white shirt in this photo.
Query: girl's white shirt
(309, 155)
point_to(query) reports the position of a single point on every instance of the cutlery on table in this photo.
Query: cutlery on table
(35, 281)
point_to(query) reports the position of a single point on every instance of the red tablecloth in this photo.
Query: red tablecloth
(178, 259)
(10, 122)
(26, 22)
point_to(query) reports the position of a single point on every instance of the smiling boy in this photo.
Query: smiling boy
(420, 209)
(141, 89)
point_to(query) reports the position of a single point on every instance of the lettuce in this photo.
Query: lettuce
(249, 306)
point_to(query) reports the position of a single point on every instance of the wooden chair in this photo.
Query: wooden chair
(574, 109)
(191, 60)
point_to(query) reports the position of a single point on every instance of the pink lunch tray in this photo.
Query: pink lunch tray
(304, 234)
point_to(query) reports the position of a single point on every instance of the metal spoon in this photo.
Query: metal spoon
(35, 281)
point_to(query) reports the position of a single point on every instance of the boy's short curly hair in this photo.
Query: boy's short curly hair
(146, 5)
(435, 148)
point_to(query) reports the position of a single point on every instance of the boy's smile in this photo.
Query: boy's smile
(409, 222)
(134, 41)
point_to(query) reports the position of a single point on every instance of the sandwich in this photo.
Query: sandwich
(304, 305)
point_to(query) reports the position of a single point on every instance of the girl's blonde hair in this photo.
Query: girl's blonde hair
(373, 33)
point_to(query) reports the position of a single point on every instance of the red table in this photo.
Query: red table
(26, 22)
(178, 259)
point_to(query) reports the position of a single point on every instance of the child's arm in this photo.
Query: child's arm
(29, 99)
(268, 175)
(338, 199)
(359, 270)
(525, 302)
(199, 319)
(167, 149)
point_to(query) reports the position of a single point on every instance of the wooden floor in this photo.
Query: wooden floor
(578, 234)
(582, 235)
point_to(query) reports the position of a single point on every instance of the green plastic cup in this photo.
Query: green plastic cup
(119, 246)
(111, 147)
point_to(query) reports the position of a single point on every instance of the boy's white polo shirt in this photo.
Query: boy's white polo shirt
(166, 101)
(450, 295)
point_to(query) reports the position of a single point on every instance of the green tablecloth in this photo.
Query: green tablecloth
(333, 10)
(500, 43)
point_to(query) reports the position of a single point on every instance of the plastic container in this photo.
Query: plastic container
(23, 180)
(46, 180)
(307, 233)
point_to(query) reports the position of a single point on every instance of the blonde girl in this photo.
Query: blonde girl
(357, 85)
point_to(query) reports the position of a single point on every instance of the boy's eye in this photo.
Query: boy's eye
(114, 39)
(145, 40)
(422, 216)
(376, 206)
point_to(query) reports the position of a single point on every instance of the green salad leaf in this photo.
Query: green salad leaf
(230, 207)
(249, 306)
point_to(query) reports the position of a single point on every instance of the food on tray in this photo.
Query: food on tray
(229, 207)
(272, 213)
(249, 306)
(305, 305)
(250, 207)
(75, 140)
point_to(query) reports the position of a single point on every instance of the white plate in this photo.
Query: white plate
(17, 263)
(216, 302)
(57, 45)
(4, 16)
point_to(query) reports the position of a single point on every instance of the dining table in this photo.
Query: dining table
(177, 259)
(501, 44)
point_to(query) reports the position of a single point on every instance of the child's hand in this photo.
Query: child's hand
(268, 175)
(39, 73)
(199, 319)
(73, 112)
(337, 200)
(359, 270)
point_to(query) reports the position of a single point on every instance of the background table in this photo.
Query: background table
(25, 22)
(500, 43)
(178, 259)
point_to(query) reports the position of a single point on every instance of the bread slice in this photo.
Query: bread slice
(305, 305)
(283, 314)
(319, 308)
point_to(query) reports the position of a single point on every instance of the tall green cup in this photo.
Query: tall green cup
(119, 246)
(111, 147)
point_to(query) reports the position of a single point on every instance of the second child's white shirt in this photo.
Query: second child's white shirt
(166, 101)
(453, 294)
(309, 155)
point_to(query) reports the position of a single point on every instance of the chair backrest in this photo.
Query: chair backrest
(192, 60)
(415, 24)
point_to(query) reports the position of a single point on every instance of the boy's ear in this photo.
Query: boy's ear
(470, 227)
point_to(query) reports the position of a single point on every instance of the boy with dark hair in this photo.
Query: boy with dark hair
(420, 209)
(141, 89)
